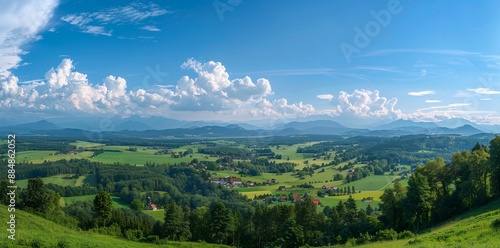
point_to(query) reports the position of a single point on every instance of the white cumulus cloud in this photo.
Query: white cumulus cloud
(421, 93)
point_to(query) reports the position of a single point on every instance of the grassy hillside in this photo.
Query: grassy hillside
(34, 231)
(471, 229)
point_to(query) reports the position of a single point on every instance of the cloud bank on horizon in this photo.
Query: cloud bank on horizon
(204, 89)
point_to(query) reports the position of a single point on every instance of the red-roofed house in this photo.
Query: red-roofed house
(235, 181)
(152, 207)
(296, 198)
(326, 186)
(316, 202)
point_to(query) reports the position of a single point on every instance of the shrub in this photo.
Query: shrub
(63, 244)
(496, 224)
(387, 234)
(405, 235)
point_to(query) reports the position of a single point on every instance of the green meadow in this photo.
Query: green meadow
(35, 231)
(66, 201)
(58, 179)
(471, 229)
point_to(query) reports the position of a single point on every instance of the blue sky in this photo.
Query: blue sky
(356, 61)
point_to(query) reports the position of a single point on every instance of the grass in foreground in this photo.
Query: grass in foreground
(471, 229)
(35, 231)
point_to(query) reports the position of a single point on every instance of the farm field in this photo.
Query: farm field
(38, 157)
(86, 144)
(157, 214)
(66, 201)
(252, 194)
(58, 179)
(139, 157)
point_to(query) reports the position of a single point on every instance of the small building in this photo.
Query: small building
(326, 186)
(316, 202)
(152, 207)
(282, 188)
(235, 181)
(296, 198)
(218, 180)
(283, 198)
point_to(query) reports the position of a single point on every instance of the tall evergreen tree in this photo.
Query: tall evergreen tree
(495, 163)
(36, 198)
(103, 207)
(176, 227)
(219, 222)
(418, 200)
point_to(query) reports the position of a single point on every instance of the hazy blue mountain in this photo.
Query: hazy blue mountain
(132, 125)
(39, 125)
(404, 124)
(459, 122)
(463, 130)
(310, 125)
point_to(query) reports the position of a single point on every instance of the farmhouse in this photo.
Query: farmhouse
(282, 188)
(151, 207)
(296, 198)
(316, 202)
(235, 181)
(326, 186)
(218, 180)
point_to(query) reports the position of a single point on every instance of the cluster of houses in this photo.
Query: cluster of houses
(232, 182)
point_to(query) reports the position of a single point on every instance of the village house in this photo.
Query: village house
(218, 180)
(316, 202)
(151, 207)
(235, 181)
(296, 198)
(326, 186)
(282, 188)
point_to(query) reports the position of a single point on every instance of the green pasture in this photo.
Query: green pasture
(157, 214)
(58, 179)
(86, 144)
(35, 231)
(471, 229)
(117, 203)
(372, 182)
(252, 194)
(38, 157)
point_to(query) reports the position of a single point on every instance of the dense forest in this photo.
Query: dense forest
(200, 211)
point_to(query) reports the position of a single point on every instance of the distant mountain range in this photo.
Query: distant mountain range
(156, 127)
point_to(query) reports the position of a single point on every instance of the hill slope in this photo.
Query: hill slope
(32, 230)
(471, 229)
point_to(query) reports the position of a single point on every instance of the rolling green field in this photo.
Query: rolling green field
(157, 214)
(85, 144)
(38, 157)
(66, 201)
(35, 231)
(471, 229)
(58, 179)
(252, 194)
(139, 157)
